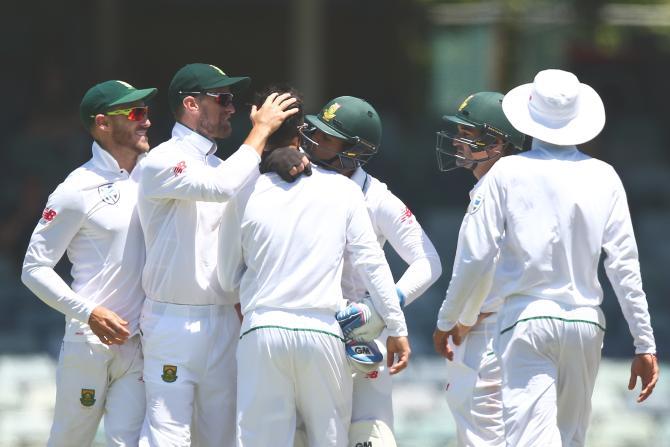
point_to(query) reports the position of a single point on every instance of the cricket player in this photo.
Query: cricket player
(284, 250)
(92, 215)
(558, 209)
(189, 324)
(475, 138)
(343, 138)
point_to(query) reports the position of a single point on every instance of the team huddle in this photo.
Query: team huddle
(248, 302)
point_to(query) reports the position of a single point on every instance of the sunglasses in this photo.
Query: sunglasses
(133, 113)
(222, 99)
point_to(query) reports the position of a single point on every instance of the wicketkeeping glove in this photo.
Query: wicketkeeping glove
(281, 160)
(364, 357)
(355, 315)
(373, 326)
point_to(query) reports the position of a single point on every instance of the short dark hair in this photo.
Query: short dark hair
(289, 128)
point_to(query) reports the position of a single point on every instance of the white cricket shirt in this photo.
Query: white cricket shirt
(559, 209)
(393, 221)
(91, 215)
(285, 242)
(182, 190)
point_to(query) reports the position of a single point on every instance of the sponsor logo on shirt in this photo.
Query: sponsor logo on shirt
(179, 168)
(406, 215)
(364, 444)
(109, 193)
(48, 215)
(169, 373)
(87, 397)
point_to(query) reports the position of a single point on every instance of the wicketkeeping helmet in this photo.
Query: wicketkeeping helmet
(481, 112)
(350, 119)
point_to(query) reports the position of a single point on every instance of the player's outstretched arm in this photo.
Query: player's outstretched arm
(644, 366)
(397, 348)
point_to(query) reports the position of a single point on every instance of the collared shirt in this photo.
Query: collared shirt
(182, 190)
(92, 215)
(284, 246)
(559, 209)
(394, 222)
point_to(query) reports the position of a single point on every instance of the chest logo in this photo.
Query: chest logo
(109, 193)
(476, 203)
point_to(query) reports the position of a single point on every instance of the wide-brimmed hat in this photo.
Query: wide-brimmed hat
(556, 108)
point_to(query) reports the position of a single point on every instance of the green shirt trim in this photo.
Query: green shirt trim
(566, 320)
(292, 329)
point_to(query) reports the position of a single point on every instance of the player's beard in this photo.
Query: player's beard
(208, 125)
(126, 136)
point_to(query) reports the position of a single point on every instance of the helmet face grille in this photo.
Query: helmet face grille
(353, 156)
(455, 151)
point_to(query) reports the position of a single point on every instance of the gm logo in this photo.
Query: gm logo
(364, 444)
(362, 349)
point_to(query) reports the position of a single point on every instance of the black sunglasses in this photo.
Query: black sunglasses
(222, 99)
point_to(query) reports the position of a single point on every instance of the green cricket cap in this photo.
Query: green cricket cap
(104, 96)
(200, 78)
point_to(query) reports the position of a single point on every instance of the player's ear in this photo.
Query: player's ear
(101, 122)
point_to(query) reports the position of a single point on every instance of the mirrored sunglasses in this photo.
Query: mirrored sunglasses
(132, 113)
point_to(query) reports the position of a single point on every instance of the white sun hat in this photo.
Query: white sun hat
(556, 108)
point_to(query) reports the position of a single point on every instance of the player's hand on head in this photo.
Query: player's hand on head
(644, 366)
(288, 162)
(273, 112)
(110, 328)
(397, 348)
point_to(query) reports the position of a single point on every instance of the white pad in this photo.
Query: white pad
(371, 434)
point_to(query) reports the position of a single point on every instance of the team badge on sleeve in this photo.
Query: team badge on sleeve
(109, 193)
(179, 168)
(406, 215)
(169, 373)
(476, 203)
(48, 215)
(87, 397)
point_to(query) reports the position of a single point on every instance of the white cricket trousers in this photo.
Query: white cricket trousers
(190, 374)
(474, 388)
(93, 380)
(373, 393)
(282, 371)
(550, 355)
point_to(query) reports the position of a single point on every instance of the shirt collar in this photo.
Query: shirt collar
(104, 160)
(360, 177)
(202, 144)
(548, 147)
